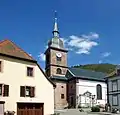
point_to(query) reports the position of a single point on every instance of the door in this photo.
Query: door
(30, 109)
(1, 108)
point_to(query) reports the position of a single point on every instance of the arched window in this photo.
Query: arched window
(99, 91)
(59, 71)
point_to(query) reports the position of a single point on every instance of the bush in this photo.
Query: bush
(95, 109)
(114, 110)
(56, 114)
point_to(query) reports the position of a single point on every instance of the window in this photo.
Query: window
(27, 91)
(48, 72)
(114, 85)
(62, 96)
(59, 71)
(115, 100)
(1, 108)
(4, 90)
(47, 59)
(0, 89)
(58, 58)
(99, 92)
(118, 72)
(0, 66)
(29, 71)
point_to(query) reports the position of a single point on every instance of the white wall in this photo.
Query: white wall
(14, 74)
(84, 85)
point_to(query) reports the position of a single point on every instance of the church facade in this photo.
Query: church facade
(68, 84)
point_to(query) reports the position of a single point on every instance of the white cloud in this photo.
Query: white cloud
(41, 56)
(30, 54)
(106, 54)
(79, 44)
(100, 61)
(91, 35)
(83, 44)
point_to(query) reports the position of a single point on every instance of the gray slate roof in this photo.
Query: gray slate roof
(63, 78)
(87, 74)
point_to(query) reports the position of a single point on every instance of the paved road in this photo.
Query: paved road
(77, 112)
(72, 112)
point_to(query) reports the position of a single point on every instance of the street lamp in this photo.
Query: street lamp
(93, 97)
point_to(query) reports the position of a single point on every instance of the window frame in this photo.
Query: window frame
(62, 96)
(116, 101)
(1, 66)
(99, 97)
(1, 87)
(58, 72)
(28, 74)
(5, 90)
(116, 85)
(31, 94)
(59, 59)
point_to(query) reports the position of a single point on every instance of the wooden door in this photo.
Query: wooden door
(30, 109)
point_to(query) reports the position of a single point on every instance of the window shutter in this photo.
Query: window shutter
(6, 90)
(32, 92)
(22, 91)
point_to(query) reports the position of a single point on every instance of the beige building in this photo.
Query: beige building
(56, 67)
(24, 88)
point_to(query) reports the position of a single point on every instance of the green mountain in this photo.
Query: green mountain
(105, 67)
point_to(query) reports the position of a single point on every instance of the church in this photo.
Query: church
(74, 87)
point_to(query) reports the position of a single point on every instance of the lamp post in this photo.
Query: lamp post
(93, 97)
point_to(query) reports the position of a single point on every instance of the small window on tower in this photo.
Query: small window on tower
(62, 96)
(59, 71)
(58, 58)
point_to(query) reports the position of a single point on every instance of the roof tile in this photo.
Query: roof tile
(9, 48)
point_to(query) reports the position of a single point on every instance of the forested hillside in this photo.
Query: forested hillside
(106, 68)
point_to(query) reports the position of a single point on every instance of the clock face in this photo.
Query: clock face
(58, 54)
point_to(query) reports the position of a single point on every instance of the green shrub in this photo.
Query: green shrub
(56, 114)
(95, 109)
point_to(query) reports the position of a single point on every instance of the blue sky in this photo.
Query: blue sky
(94, 24)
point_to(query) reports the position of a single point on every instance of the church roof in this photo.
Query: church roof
(7, 47)
(56, 42)
(61, 78)
(86, 74)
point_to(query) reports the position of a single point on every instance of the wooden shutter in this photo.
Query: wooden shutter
(22, 91)
(6, 90)
(32, 92)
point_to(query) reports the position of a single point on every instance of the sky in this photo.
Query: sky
(90, 29)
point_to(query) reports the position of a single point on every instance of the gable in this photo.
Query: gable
(11, 50)
(7, 47)
(69, 74)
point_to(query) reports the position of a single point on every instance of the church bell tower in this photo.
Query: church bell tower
(56, 55)
(56, 66)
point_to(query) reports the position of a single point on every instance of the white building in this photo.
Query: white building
(24, 88)
(86, 88)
